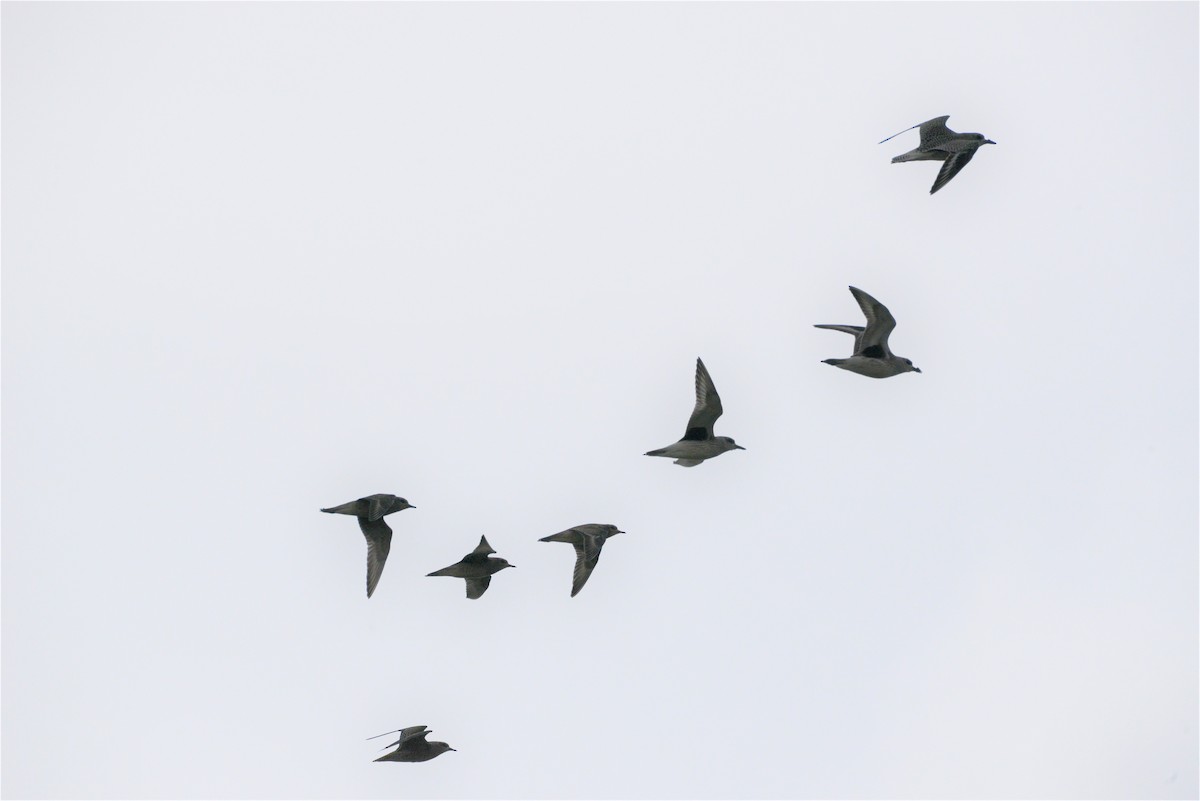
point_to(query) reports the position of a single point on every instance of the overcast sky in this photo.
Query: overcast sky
(261, 259)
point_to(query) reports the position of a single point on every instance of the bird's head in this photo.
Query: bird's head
(732, 445)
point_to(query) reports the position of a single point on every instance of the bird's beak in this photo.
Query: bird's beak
(410, 506)
(739, 447)
(916, 369)
(988, 142)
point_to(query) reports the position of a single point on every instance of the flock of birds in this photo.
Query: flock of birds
(871, 357)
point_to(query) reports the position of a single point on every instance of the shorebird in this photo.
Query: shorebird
(476, 567)
(939, 143)
(413, 746)
(588, 539)
(370, 511)
(871, 356)
(698, 442)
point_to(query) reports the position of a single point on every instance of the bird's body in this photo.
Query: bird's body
(939, 143)
(370, 512)
(412, 746)
(477, 568)
(871, 357)
(698, 442)
(588, 539)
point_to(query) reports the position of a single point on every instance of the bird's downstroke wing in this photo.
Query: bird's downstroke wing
(587, 554)
(934, 132)
(880, 322)
(379, 544)
(708, 406)
(477, 586)
(951, 167)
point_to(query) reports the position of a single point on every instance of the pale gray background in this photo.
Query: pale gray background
(260, 259)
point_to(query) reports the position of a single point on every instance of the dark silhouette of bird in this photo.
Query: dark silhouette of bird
(588, 539)
(477, 568)
(871, 356)
(413, 747)
(698, 442)
(370, 511)
(939, 143)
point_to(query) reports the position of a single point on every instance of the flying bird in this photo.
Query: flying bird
(698, 442)
(476, 567)
(939, 143)
(370, 511)
(588, 539)
(413, 747)
(871, 356)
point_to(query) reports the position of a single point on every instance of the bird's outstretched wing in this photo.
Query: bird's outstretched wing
(411, 735)
(477, 586)
(587, 554)
(379, 543)
(880, 322)
(855, 330)
(708, 406)
(951, 167)
(934, 132)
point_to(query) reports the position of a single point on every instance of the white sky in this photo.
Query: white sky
(260, 259)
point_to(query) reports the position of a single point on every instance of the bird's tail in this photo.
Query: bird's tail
(659, 452)
(562, 536)
(344, 509)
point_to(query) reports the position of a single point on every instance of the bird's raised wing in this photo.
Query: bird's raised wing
(379, 543)
(880, 322)
(934, 132)
(951, 167)
(411, 735)
(855, 330)
(480, 554)
(708, 406)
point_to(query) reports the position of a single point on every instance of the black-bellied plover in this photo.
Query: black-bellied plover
(871, 356)
(476, 567)
(588, 539)
(939, 143)
(413, 747)
(370, 511)
(698, 442)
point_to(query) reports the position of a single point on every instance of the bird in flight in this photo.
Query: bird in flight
(413, 747)
(939, 143)
(476, 567)
(370, 511)
(588, 539)
(698, 442)
(872, 357)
